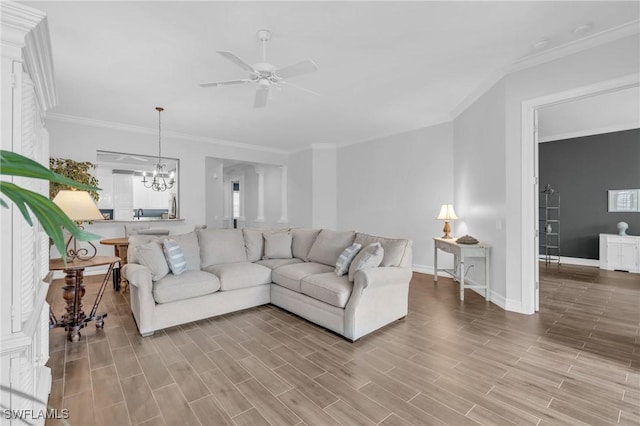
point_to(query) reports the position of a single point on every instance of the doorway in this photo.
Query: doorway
(530, 179)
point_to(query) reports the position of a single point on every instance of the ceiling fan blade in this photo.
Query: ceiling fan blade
(261, 97)
(300, 88)
(226, 83)
(239, 62)
(303, 67)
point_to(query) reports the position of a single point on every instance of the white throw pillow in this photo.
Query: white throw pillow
(277, 245)
(345, 259)
(175, 257)
(151, 256)
(369, 257)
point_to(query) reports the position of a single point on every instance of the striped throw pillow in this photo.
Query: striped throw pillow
(175, 257)
(345, 258)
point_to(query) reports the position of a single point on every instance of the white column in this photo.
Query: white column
(260, 173)
(284, 216)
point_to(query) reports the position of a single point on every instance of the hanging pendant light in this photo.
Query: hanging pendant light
(159, 181)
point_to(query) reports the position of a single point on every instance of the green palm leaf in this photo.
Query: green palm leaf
(50, 216)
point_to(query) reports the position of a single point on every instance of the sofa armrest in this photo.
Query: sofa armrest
(141, 296)
(380, 296)
(138, 275)
(376, 277)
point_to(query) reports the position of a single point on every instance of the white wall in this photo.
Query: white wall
(609, 61)
(214, 201)
(324, 209)
(81, 141)
(299, 188)
(480, 182)
(394, 187)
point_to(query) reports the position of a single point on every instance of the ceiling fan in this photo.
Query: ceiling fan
(264, 74)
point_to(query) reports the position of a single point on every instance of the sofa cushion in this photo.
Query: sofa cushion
(185, 286)
(289, 276)
(218, 246)
(369, 257)
(151, 256)
(277, 245)
(134, 242)
(328, 246)
(394, 248)
(190, 247)
(240, 275)
(345, 259)
(276, 263)
(328, 288)
(175, 256)
(302, 240)
(253, 243)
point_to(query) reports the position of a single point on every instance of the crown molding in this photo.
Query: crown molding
(26, 32)
(575, 46)
(64, 118)
(566, 49)
(323, 146)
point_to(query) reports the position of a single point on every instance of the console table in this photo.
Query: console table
(460, 253)
(75, 318)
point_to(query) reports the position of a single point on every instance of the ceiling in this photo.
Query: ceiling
(384, 67)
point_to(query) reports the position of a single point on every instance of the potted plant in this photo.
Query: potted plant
(77, 171)
(50, 216)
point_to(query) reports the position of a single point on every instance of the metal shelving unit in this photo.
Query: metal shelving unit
(549, 222)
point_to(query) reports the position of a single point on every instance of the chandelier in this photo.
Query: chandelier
(158, 181)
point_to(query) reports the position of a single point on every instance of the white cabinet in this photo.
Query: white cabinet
(620, 252)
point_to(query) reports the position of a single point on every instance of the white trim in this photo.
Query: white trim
(435, 121)
(579, 261)
(145, 130)
(575, 46)
(38, 62)
(554, 53)
(529, 253)
(422, 269)
(323, 146)
(589, 132)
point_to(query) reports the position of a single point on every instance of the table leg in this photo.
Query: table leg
(461, 272)
(116, 279)
(100, 318)
(487, 261)
(73, 292)
(435, 262)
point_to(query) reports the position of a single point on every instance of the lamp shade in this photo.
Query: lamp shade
(447, 213)
(78, 205)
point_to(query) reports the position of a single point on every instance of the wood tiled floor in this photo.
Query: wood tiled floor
(576, 362)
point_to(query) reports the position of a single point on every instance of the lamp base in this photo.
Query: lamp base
(447, 231)
(81, 253)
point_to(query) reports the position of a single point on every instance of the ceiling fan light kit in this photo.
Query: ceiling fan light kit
(265, 74)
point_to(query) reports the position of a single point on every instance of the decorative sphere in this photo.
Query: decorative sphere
(622, 228)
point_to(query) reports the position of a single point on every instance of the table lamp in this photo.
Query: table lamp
(80, 207)
(447, 214)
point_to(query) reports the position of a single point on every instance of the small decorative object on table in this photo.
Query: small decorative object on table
(622, 228)
(467, 239)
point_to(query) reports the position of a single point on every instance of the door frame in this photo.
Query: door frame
(529, 177)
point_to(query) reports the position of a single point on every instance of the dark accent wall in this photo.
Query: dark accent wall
(583, 170)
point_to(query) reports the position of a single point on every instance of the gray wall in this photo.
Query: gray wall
(582, 170)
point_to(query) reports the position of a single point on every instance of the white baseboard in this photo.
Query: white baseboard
(422, 269)
(579, 261)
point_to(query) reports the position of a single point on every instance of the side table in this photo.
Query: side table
(460, 252)
(120, 247)
(75, 319)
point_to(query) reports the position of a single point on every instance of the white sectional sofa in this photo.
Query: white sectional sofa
(232, 269)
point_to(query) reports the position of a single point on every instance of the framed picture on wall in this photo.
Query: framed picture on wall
(107, 214)
(624, 200)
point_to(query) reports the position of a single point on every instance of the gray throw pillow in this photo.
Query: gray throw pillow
(277, 245)
(151, 256)
(218, 246)
(253, 244)
(346, 257)
(302, 241)
(369, 257)
(328, 246)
